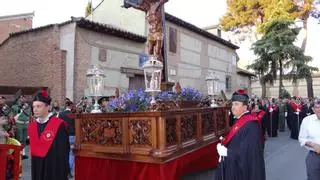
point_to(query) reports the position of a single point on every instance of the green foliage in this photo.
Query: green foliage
(284, 93)
(276, 50)
(258, 16)
(268, 78)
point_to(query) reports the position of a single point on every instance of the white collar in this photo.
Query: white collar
(46, 119)
(242, 114)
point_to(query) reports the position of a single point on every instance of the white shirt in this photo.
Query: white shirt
(241, 115)
(310, 130)
(44, 120)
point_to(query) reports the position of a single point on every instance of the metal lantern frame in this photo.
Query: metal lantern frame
(212, 86)
(95, 81)
(152, 75)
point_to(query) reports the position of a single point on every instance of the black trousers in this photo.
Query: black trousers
(313, 166)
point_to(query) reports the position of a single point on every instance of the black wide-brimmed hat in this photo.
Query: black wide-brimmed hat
(43, 96)
(240, 95)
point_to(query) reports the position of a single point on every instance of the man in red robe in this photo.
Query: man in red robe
(49, 142)
(241, 150)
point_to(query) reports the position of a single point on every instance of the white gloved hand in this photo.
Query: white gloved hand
(297, 112)
(270, 110)
(285, 114)
(222, 150)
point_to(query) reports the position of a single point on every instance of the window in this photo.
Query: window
(172, 40)
(136, 82)
(228, 83)
(102, 55)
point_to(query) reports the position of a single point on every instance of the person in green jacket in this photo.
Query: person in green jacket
(21, 111)
(282, 112)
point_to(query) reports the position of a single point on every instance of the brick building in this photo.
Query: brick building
(57, 56)
(14, 23)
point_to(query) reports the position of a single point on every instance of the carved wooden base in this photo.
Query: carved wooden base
(154, 137)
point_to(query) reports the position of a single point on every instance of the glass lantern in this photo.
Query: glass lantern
(95, 81)
(212, 86)
(152, 74)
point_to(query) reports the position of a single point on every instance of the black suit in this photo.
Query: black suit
(66, 116)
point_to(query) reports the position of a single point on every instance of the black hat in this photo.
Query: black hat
(69, 103)
(43, 96)
(241, 96)
(105, 98)
(84, 97)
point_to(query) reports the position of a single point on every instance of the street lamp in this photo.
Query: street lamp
(212, 86)
(95, 83)
(152, 75)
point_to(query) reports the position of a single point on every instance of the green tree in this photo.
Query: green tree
(305, 9)
(276, 49)
(258, 14)
(261, 68)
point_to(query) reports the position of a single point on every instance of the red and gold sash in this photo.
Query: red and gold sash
(237, 126)
(40, 146)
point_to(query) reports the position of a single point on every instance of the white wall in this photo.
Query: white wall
(119, 53)
(111, 12)
(67, 43)
(273, 90)
(196, 56)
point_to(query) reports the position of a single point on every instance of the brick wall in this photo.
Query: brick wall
(13, 25)
(34, 59)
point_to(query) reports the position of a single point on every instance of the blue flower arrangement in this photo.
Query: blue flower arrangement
(190, 94)
(132, 101)
(167, 96)
(139, 100)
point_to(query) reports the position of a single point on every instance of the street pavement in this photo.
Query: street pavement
(284, 160)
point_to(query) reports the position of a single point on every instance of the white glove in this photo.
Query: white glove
(270, 110)
(222, 150)
(285, 114)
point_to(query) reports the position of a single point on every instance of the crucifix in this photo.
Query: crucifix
(154, 13)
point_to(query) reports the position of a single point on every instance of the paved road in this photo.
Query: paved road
(284, 158)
